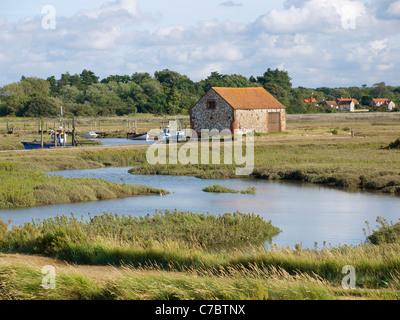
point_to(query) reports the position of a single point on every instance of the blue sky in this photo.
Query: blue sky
(319, 42)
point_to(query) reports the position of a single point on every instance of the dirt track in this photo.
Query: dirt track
(98, 273)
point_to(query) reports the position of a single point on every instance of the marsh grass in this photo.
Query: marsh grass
(180, 242)
(222, 189)
(165, 266)
(177, 238)
(26, 187)
(162, 260)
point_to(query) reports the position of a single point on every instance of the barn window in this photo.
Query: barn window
(211, 104)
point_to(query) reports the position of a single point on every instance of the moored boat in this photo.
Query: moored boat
(139, 136)
(58, 139)
(173, 131)
(90, 135)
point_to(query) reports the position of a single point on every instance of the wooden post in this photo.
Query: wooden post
(73, 131)
(41, 134)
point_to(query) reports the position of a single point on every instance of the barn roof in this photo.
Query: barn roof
(249, 98)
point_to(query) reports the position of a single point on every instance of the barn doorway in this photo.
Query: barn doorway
(274, 122)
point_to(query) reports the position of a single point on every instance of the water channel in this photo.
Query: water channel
(306, 214)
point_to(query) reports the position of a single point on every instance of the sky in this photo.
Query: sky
(320, 43)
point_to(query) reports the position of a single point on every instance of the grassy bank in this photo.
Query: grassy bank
(26, 187)
(175, 264)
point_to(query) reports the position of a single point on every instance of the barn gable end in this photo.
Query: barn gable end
(243, 109)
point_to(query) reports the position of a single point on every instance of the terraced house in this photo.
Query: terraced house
(241, 109)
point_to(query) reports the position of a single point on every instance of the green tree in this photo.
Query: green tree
(365, 100)
(138, 77)
(54, 89)
(276, 76)
(35, 87)
(117, 78)
(174, 102)
(278, 93)
(380, 90)
(13, 99)
(42, 107)
(71, 94)
(88, 78)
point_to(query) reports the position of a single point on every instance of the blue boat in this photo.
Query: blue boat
(58, 139)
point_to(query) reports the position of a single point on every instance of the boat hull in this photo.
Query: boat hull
(177, 135)
(38, 145)
(141, 136)
(90, 135)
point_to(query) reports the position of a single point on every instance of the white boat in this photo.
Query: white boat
(90, 135)
(140, 136)
(173, 131)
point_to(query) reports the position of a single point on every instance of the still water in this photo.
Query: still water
(121, 141)
(306, 214)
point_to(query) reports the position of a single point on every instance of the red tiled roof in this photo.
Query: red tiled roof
(249, 98)
(381, 100)
(309, 100)
(344, 100)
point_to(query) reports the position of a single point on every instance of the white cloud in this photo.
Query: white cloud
(129, 6)
(312, 16)
(230, 4)
(305, 37)
(394, 9)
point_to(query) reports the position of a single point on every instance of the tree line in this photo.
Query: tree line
(165, 92)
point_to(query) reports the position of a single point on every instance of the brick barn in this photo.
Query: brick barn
(242, 109)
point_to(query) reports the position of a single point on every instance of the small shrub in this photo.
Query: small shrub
(386, 233)
(395, 144)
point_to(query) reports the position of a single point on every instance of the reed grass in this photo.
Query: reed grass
(110, 238)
